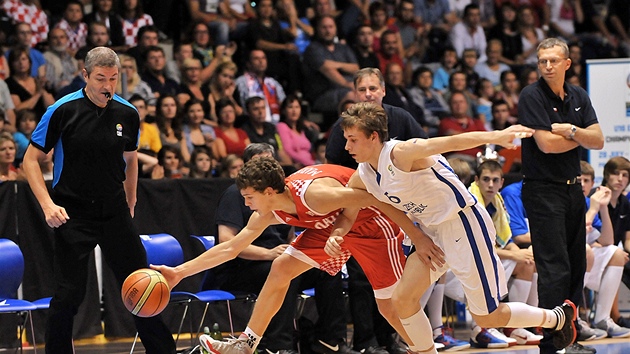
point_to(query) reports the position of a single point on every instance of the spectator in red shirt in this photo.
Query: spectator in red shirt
(459, 122)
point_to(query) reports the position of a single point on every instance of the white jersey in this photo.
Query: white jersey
(423, 194)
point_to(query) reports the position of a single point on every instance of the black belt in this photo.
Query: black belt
(574, 180)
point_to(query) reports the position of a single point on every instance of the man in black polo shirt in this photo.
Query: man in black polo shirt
(564, 120)
(95, 136)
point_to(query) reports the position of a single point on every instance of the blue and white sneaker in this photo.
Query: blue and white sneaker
(450, 344)
(614, 330)
(481, 338)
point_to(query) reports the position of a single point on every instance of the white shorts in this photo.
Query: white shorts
(602, 257)
(453, 287)
(468, 244)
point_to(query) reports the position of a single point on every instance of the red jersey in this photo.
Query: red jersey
(308, 218)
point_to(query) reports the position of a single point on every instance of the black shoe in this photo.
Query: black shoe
(397, 345)
(577, 348)
(322, 347)
(565, 332)
(374, 350)
(624, 322)
(281, 351)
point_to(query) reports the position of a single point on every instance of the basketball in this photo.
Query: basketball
(145, 292)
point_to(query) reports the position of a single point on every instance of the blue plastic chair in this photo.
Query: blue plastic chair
(209, 296)
(164, 249)
(11, 272)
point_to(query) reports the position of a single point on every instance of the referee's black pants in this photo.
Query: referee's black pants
(556, 214)
(110, 226)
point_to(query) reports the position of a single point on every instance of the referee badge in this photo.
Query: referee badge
(119, 129)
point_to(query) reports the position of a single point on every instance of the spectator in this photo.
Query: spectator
(183, 51)
(265, 33)
(135, 85)
(222, 85)
(460, 122)
(170, 165)
(196, 133)
(4, 64)
(102, 11)
(501, 117)
(436, 13)
(169, 122)
(23, 35)
(529, 75)
(366, 58)
(207, 11)
(61, 67)
(431, 101)
(231, 165)
(469, 34)
(389, 50)
(148, 36)
(442, 74)
(299, 27)
(26, 123)
(193, 87)
(203, 45)
(412, 31)
(154, 73)
(238, 13)
(319, 151)
(230, 140)
(380, 24)
(397, 94)
(133, 18)
(26, 91)
(255, 82)
(510, 90)
(7, 108)
(295, 136)
(260, 131)
(467, 65)
(492, 68)
(507, 31)
(98, 36)
(457, 83)
(72, 23)
(329, 67)
(202, 164)
(31, 13)
(485, 94)
(619, 21)
(578, 65)
(530, 35)
(149, 141)
(8, 172)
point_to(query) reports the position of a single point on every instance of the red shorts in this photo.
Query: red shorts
(376, 244)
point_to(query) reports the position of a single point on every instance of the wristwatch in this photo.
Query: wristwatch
(573, 130)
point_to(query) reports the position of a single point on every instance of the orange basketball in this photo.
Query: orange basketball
(145, 292)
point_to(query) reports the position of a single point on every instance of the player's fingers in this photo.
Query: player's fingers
(64, 214)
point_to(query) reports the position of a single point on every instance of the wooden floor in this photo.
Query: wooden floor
(99, 344)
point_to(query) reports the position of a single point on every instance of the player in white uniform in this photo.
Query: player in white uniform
(413, 177)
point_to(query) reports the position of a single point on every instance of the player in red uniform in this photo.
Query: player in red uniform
(311, 198)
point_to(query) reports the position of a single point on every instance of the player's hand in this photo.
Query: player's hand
(276, 252)
(430, 254)
(55, 215)
(524, 256)
(506, 136)
(333, 246)
(172, 277)
(601, 197)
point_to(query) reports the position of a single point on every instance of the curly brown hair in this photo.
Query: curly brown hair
(260, 173)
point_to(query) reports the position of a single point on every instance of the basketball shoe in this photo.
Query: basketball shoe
(565, 331)
(481, 338)
(232, 346)
(450, 344)
(522, 336)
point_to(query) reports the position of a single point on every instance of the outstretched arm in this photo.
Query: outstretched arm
(218, 254)
(415, 149)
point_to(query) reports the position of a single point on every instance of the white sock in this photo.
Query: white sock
(610, 281)
(424, 300)
(523, 315)
(532, 299)
(520, 290)
(434, 307)
(417, 327)
(253, 339)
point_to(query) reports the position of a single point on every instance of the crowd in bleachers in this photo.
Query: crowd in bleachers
(453, 65)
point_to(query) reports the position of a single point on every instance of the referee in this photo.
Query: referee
(564, 120)
(94, 134)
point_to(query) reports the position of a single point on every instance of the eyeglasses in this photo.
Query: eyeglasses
(553, 62)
